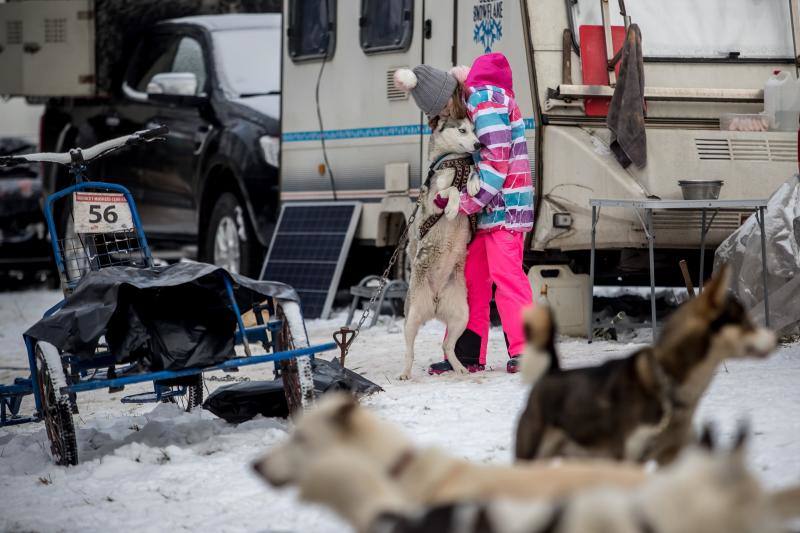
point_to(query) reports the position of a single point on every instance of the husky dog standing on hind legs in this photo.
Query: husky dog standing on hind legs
(438, 239)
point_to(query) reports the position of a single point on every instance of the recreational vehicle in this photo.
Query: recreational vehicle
(349, 134)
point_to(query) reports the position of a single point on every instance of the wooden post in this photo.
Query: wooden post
(566, 57)
(612, 75)
(687, 279)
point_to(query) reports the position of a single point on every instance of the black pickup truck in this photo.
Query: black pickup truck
(214, 81)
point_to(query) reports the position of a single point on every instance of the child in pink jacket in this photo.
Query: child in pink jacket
(504, 205)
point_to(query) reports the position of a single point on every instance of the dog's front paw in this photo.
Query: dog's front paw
(454, 199)
(473, 184)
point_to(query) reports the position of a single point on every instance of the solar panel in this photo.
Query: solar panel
(308, 251)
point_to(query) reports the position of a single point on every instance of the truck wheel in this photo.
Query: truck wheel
(230, 241)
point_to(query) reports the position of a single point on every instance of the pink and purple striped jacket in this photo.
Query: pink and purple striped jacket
(505, 199)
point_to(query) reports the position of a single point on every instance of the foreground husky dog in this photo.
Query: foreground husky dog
(437, 245)
(640, 407)
(425, 476)
(703, 491)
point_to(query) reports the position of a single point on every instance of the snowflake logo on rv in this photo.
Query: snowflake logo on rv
(488, 18)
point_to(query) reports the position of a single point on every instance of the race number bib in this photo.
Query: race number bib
(100, 212)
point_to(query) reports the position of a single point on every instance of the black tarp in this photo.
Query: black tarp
(242, 401)
(165, 318)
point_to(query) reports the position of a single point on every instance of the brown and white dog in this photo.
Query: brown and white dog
(426, 476)
(640, 407)
(704, 491)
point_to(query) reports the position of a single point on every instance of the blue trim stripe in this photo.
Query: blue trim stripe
(363, 133)
(356, 133)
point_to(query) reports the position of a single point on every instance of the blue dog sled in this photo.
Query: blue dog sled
(104, 231)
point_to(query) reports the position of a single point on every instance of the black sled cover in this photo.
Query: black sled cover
(165, 318)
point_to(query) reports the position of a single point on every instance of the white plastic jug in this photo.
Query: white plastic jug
(566, 293)
(782, 101)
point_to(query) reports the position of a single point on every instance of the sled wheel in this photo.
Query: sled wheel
(194, 393)
(289, 375)
(56, 408)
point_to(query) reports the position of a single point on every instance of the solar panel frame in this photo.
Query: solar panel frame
(307, 230)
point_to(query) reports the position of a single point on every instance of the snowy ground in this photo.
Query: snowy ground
(156, 468)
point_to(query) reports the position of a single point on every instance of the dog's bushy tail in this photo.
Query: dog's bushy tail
(541, 356)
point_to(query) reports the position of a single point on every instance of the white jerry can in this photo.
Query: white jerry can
(567, 293)
(782, 101)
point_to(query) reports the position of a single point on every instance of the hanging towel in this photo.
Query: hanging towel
(627, 111)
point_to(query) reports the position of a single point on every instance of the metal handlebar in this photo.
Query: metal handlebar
(88, 154)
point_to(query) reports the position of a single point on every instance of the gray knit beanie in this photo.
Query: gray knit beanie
(434, 88)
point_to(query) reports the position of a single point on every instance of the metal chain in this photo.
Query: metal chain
(345, 343)
(385, 277)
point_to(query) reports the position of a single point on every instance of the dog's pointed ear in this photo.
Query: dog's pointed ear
(343, 414)
(707, 437)
(716, 291)
(742, 435)
(539, 325)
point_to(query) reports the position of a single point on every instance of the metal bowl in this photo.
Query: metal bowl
(700, 189)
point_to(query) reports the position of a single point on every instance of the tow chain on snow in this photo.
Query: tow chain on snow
(340, 337)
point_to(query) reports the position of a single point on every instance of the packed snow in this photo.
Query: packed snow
(155, 468)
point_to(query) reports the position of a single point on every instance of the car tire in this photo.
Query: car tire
(230, 241)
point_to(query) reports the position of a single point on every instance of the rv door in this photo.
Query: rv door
(438, 32)
(438, 28)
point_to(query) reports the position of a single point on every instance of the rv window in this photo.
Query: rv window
(312, 33)
(386, 25)
(711, 29)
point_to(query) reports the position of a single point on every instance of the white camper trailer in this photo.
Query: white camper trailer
(348, 134)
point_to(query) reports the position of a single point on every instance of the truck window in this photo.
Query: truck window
(166, 53)
(189, 58)
(312, 33)
(386, 25)
(239, 75)
(154, 55)
(711, 29)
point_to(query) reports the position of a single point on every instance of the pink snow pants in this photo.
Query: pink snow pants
(495, 258)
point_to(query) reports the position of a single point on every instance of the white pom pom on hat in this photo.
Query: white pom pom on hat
(460, 73)
(405, 79)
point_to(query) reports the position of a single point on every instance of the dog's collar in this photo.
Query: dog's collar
(403, 462)
(441, 160)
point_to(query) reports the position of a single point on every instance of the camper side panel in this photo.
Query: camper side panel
(367, 124)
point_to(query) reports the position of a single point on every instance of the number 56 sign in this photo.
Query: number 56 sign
(100, 212)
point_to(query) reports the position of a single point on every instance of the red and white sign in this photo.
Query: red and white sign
(95, 212)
